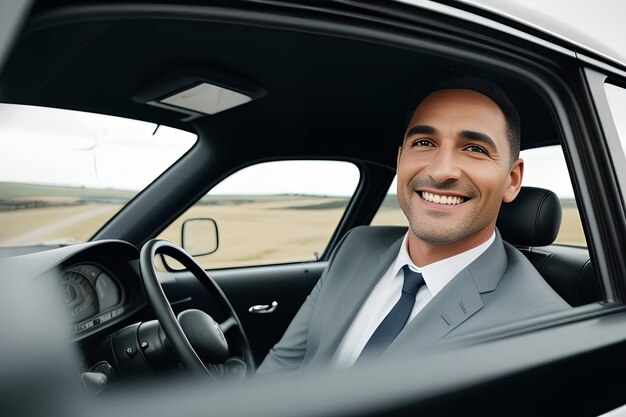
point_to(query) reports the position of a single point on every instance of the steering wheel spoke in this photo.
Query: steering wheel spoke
(214, 344)
(228, 324)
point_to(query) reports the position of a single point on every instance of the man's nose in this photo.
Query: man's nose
(444, 167)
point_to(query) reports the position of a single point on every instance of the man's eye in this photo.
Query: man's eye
(476, 148)
(422, 142)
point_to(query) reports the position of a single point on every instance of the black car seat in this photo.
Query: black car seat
(531, 223)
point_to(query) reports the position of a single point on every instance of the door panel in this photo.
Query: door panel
(288, 285)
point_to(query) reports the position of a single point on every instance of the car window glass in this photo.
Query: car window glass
(543, 167)
(64, 174)
(269, 213)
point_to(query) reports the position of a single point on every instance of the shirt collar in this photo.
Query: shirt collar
(438, 274)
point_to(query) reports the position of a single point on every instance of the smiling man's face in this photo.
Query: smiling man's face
(454, 170)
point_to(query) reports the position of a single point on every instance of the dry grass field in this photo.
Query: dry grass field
(253, 230)
(65, 224)
(278, 230)
(265, 232)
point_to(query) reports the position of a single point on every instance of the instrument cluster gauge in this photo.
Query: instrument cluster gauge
(80, 295)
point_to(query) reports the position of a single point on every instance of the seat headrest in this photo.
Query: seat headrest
(532, 219)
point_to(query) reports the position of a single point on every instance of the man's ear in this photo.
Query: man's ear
(515, 181)
(398, 159)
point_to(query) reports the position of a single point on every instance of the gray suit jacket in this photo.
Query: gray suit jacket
(500, 286)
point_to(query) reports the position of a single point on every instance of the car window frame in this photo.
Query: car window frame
(596, 76)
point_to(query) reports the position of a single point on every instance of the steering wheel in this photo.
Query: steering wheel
(203, 338)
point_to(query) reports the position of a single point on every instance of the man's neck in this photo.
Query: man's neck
(424, 253)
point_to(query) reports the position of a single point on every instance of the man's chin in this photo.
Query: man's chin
(441, 237)
(468, 233)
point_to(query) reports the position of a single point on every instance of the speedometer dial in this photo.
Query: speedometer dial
(79, 294)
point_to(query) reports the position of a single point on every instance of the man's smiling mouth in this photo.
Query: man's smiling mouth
(442, 199)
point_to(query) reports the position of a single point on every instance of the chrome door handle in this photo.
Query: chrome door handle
(264, 308)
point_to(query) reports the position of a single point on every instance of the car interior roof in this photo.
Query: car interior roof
(327, 96)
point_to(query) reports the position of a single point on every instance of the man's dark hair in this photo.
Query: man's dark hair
(482, 86)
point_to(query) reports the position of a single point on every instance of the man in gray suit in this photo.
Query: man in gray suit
(386, 288)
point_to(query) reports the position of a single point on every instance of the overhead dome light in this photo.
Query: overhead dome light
(198, 92)
(207, 98)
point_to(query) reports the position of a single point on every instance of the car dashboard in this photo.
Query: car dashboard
(92, 296)
(98, 283)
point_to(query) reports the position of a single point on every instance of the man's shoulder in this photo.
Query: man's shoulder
(369, 244)
(518, 263)
(520, 293)
(526, 283)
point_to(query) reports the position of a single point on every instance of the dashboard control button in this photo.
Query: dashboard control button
(131, 351)
(144, 345)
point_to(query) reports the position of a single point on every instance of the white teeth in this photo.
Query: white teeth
(441, 199)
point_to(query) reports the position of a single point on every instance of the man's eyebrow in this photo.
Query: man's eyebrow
(478, 137)
(422, 130)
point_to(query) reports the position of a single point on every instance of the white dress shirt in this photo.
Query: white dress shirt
(387, 291)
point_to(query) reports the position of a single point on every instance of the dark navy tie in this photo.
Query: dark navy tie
(393, 323)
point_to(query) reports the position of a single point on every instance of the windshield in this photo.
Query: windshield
(64, 174)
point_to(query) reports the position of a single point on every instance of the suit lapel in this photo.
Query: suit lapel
(454, 304)
(457, 301)
(352, 297)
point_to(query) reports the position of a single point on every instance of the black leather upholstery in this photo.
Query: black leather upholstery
(569, 272)
(533, 219)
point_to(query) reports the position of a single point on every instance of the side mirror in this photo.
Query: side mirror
(200, 236)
